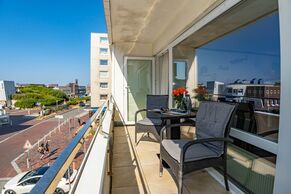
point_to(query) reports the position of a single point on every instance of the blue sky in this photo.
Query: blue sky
(48, 41)
(250, 52)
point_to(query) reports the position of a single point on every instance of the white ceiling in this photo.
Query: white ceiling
(146, 21)
(241, 15)
(156, 23)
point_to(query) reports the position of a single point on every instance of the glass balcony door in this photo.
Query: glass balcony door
(139, 84)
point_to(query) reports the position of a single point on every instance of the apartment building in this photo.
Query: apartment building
(269, 94)
(71, 89)
(100, 69)
(215, 89)
(7, 89)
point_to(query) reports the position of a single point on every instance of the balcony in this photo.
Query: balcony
(114, 164)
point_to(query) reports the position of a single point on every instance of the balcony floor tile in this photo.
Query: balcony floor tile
(136, 168)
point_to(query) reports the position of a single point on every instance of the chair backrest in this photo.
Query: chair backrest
(212, 121)
(244, 118)
(156, 102)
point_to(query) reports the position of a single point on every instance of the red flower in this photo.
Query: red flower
(179, 91)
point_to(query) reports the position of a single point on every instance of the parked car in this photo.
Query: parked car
(24, 182)
(4, 118)
(82, 104)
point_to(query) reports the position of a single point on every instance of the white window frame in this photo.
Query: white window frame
(103, 53)
(102, 99)
(104, 41)
(101, 82)
(103, 64)
(104, 77)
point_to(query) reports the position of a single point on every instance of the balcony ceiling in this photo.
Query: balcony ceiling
(152, 21)
(153, 24)
(241, 15)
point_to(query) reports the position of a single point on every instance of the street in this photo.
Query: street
(12, 138)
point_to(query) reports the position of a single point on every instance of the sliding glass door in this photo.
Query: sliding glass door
(139, 84)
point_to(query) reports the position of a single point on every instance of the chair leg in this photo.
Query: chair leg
(180, 183)
(226, 182)
(225, 175)
(135, 137)
(148, 134)
(161, 166)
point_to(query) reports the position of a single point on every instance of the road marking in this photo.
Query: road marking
(21, 131)
(15, 166)
(13, 162)
(28, 129)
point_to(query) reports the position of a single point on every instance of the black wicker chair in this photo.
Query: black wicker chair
(152, 123)
(208, 150)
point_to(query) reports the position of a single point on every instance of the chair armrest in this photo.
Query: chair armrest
(200, 141)
(141, 110)
(174, 125)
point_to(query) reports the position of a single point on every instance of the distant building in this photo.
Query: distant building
(215, 90)
(67, 90)
(235, 92)
(71, 90)
(7, 89)
(82, 91)
(268, 94)
(52, 85)
(100, 69)
(88, 90)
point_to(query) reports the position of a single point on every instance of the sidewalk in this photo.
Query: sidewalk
(58, 141)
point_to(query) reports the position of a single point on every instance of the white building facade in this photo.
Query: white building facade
(100, 69)
(7, 89)
(215, 89)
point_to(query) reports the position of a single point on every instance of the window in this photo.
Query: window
(31, 181)
(179, 73)
(103, 74)
(103, 96)
(103, 51)
(103, 85)
(232, 59)
(103, 40)
(103, 62)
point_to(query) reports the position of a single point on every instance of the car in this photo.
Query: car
(82, 104)
(24, 182)
(4, 118)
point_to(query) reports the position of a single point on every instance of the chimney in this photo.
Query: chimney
(76, 81)
(260, 81)
(253, 81)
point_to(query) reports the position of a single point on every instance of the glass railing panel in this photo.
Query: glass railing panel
(252, 168)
